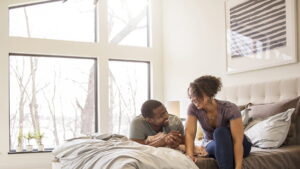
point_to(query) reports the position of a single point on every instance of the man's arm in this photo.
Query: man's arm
(181, 129)
(137, 131)
(178, 126)
(138, 134)
(172, 139)
(158, 140)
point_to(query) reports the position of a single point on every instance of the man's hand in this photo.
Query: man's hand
(157, 140)
(173, 139)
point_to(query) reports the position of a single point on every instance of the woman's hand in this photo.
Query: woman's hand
(192, 157)
(200, 151)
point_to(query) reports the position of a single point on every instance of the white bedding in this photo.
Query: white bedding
(118, 153)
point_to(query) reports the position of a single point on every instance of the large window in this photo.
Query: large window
(53, 84)
(128, 22)
(128, 89)
(51, 96)
(62, 20)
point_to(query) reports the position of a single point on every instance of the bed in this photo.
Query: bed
(264, 93)
(112, 151)
(286, 156)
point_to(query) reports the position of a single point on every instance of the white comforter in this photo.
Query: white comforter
(118, 153)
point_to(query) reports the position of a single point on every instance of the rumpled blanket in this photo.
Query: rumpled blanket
(199, 151)
(117, 152)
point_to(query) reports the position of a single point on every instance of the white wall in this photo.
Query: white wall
(102, 51)
(194, 45)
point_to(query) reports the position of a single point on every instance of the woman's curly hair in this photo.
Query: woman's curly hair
(208, 85)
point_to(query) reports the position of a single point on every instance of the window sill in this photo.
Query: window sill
(47, 150)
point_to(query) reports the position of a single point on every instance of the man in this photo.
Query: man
(156, 127)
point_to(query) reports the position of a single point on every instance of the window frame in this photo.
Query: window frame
(148, 78)
(102, 50)
(13, 151)
(148, 69)
(96, 37)
(32, 4)
(148, 21)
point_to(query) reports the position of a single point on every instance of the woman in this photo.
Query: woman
(221, 122)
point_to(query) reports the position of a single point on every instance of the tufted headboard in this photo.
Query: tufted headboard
(263, 92)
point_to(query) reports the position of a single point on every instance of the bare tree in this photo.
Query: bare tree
(62, 118)
(20, 75)
(118, 95)
(75, 120)
(88, 111)
(27, 22)
(33, 105)
(133, 98)
(120, 113)
(126, 103)
(52, 109)
(131, 23)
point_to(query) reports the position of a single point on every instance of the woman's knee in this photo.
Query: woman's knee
(211, 149)
(221, 132)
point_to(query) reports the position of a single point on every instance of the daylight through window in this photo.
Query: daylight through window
(51, 97)
(128, 89)
(72, 20)
(128, 22)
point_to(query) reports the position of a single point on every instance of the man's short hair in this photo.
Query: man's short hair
(148, 107)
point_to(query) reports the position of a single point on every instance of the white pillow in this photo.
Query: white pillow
(271, 132)
(245, 117)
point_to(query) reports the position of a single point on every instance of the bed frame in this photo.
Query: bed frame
(263, 92)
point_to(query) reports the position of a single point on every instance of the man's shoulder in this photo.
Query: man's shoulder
(174, 120)
(140, 129)
(175, 124)
(138, 120)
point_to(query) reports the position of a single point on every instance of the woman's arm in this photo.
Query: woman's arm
(190, 133)
(237, 132)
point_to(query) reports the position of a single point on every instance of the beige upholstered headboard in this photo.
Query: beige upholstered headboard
(263, 92)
